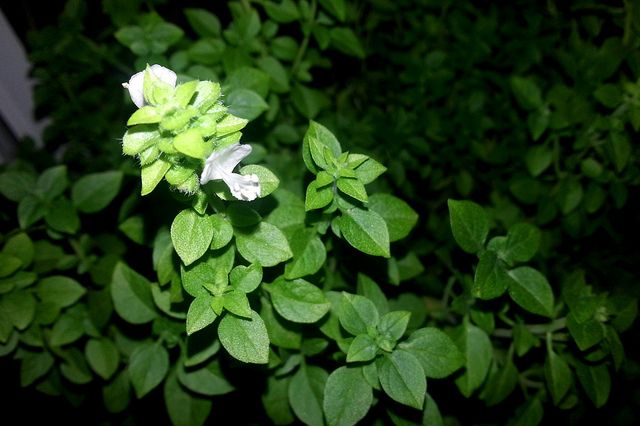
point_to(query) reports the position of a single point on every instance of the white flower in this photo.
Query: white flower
(220, 165)
(135, 86)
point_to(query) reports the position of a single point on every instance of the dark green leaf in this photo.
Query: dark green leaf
(298, 300)
(148, 366)
(437, 353)
(469, 224)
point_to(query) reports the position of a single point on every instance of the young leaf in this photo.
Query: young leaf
(492, 278)
(357, 314)
(522, 243)
(366, 231)
(298, 300)
(347, 397)
(531, 290)
(191, 235)
(393, 324)
(402, 378)
(469, 224)
(362, 348)
(200, 313)
(318, 134)
(244, 339)
(246, 278)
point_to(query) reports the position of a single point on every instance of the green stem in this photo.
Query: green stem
(539, 329)
(305, 42)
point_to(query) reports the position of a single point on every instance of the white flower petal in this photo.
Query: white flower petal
(135, 86)
(220, 165)
(164, 74)
(223, 161)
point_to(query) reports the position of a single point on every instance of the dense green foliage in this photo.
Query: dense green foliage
(444, 232)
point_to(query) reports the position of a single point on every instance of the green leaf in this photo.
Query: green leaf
(117, 393)
(190, 143)
(500, 383)
(131, 293)
(52, 183)
(596, 382)
(538, 121)
(93, 192)
(309, 253)
(320, 136)
(184, 408)
(148, 366)
(345, 40)
(203, 22)
(587, 333)
(619, 150)
(191, 235)
(478, 354)
(437, 353)
(33, 366)
(264, 244)
(242, 215)
(67, 329)
(353, 188)
(222, 231)
(469, 224)
(309, 102)
(526, 92)
(531, 290)
(275, 400)
(366, 231)
(207, 380)
(30, 210)
(538, 159)
(133, 227)
(298, 300)
(200, 313)
(347, 397)
(398, 215)
(19, 308)
(402, 378)
(337, 8)
(357, 314)
(393, 324)
(21, 247)
(269, 182)
(362, 348)
(15, 185)
(529, 414)
(59, 290)
(369, 289)
(283, 12)
(246, 278)
(557, 375)
(62, 216)
(279, 78)
(245, 340)
(201, 346)
(236, 302)
(103, 357)
(245, 103)
(306, 394)
(522, 243)
(152, 174)
(145, 115)
(491, 278)
(281, 332)
(317, 197)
